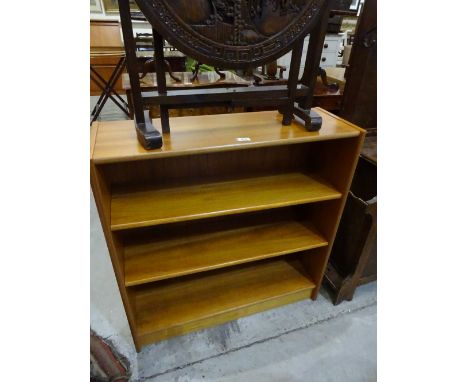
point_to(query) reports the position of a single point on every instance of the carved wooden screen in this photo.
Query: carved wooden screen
(232, 33)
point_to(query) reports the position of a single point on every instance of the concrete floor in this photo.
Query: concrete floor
(338, 349)
(304, 341)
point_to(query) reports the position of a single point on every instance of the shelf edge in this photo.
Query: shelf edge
(178, 219)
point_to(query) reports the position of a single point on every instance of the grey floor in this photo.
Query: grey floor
(305, 341)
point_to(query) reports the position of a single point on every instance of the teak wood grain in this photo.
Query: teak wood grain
(182, 255)
(213, 133)
(210, 229)
(227, 165)
(132, 207)
(175, 307)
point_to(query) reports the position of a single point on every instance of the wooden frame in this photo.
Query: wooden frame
(236, 214)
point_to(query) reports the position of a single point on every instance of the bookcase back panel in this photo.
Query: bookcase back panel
(209, 225)
(226, 164)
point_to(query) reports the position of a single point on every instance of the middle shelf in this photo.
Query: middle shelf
(135, 207)
(162, 255)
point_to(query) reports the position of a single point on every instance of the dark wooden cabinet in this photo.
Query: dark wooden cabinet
(353, 259)
(359, 104)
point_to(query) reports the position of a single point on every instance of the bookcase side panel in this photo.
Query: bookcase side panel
(335, 161)
(102, 196)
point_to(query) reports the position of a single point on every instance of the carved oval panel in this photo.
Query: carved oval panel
(232, 33)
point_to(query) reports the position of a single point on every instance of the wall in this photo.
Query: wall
(138, 26)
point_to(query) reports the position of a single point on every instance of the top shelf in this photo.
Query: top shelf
(116, 141)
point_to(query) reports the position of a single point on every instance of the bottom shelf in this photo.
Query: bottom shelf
(179, 306)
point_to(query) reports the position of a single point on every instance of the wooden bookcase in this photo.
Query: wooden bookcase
(235, 214)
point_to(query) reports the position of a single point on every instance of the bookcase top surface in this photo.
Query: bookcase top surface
(116, 141)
